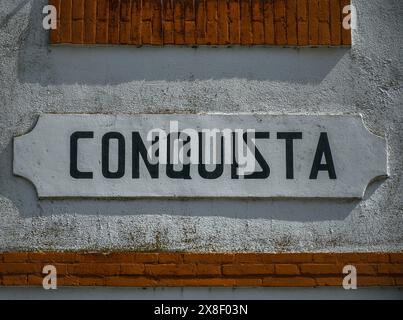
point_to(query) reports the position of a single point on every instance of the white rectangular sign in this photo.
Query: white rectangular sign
(213, 155)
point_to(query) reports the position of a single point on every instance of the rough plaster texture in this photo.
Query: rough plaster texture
(36, 79)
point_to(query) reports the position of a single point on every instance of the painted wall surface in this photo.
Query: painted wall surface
(36, 78)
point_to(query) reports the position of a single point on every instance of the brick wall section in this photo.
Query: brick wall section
(201, 22)
(209, 269)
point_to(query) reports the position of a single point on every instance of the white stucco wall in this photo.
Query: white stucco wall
(36, 78)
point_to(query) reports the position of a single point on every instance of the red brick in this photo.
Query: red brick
(130, 282)
(213, 282)
(374, 281)
(91, 281)
(96, 269)
(286, 269)
(313, 9)
(367, 269)
(201, 23)
(68, 281)
(15, 256)
(156, 38)
(211, 28)
(396, 257)
(168, 22)
(390, 269)
(35, 280)
(223, 22)
(52, 257)
(205, 258)
(132, 269)
(15, 280)
(399, 281)
(170, 258)
(125, 21)
(65, 21)
(179, 23)
(170, 269)
(288, 282)
(246, 25)
(234, 22)
(90, 17)
(303, 22)
(335, 22)
(269, 32)
(324, 22)
(208, 269)
(286, 257)
(136, 21)
(114, 21)
(325, 257)
(248, 282)
(345, 33)
(54, 34)
(102, 21)
(329, 281)
(19, 268)
(292, 38)
(248, 269)
(190, 22)
(280, 22)
(351, 258)
(315, 269)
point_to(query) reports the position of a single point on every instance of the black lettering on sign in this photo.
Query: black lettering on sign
(265, 173)
(323, 148)
(138, 148)
(120, 172)
(74, 172)
(289, 151)
(219, 167)
(184, 173)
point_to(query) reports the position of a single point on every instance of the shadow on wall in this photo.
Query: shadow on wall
(23, 194)
(93, 65)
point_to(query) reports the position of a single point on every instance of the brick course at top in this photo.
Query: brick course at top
(201, 22)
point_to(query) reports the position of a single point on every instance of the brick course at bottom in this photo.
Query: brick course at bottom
(177, 269)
